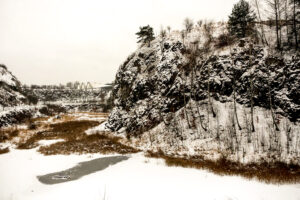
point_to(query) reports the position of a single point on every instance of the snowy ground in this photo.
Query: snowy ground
(136, 178)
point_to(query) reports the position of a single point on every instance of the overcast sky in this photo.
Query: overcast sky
(56, 41)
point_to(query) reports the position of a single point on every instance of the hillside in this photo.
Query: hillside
(180, 96)
(10, 92)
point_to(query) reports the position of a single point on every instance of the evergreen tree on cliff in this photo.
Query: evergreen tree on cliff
(145, 35)
(240, 20)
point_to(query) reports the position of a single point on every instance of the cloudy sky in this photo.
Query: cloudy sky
(56, 41)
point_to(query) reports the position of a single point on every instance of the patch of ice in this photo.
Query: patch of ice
(49, 142)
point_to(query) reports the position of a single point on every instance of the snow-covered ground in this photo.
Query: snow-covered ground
(136, 178)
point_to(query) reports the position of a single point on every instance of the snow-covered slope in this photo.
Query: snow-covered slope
(157, 83)
(9, 88)
(7, 77)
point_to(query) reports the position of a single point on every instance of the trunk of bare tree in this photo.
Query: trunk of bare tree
(235, 110)
(295, 24)
(198, 110)
(270, 102)
(264, 39)
(277, 24)
(186, 114)
(280, 26)
(252, 121)
(192, 93)
(251, 93)
(286, 21)
(208, 91)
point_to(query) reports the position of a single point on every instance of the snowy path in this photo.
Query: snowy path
(135, 178)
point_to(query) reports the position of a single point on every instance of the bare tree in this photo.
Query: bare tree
(199, 23)
(234, 96)
(193, 62)
(263, 36)
(182, 34)
(251, 89)
(248, 128)
(169, 29)
(276, 7)
(185, 110)
(208, 30)
(162, 34)
(286, 15)
(270, 100)
(288, 135)
(208, 93)
(295, 31)
(188, 24)
(234, 106)
(198, 110)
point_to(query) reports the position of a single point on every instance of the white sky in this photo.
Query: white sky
(56, 41)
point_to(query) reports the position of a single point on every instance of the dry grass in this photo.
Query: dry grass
(70, 130)
(65, 118)
(5, 150)
(93, 114)
(76, 141)
(39, 119)
(8, 134)
(266, 172)
(88, 144)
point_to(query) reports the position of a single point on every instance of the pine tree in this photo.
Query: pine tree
(241, 18)
(145, 35)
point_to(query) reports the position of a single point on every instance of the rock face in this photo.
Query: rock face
(10, 92)
(158, 80)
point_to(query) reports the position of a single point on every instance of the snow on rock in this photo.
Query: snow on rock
(10, 92)
(174, 136)
(7, 77)
(97, 129)
(19, 114)
(158, 81)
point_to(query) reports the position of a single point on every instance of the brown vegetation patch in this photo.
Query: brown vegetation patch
(39, 119)
(64, 118)
(5, 150)
(70, 130)
(76, 141)
(95, 113)
(275, 173)
(88, 144)
(8, 134)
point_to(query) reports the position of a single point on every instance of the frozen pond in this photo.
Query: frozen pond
(80, 170)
